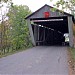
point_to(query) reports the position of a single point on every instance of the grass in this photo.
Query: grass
(72, 50)
(10, 53)
(13, 52)
(72, 58)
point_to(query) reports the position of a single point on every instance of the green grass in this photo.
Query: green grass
(72, 50)
(13, 52)
(10, 53)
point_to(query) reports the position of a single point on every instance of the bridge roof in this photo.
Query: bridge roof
(46, 7)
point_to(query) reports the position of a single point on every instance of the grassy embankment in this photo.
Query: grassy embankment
(13, 51)
(71, 53)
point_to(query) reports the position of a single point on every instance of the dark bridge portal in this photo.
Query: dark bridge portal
(47, 27)
(51, 30)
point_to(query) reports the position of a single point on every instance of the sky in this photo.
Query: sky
(34, 4)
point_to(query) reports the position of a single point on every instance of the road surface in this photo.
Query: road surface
(39, 60)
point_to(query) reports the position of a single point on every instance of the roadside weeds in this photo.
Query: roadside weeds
(71, 61)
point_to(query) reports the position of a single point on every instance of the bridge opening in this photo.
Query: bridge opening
(50, 31)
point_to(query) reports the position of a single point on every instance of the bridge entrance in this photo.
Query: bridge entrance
(48, 27)
(50, 31)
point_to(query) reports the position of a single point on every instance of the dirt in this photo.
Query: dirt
(71, 63)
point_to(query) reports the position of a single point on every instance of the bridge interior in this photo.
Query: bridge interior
(50, 31)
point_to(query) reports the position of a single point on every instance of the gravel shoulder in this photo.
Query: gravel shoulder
(71, 62)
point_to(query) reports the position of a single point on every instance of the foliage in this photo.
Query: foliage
(72, 50)
(19, 29)
(74, 29)
(53, 9)
(14, 31)
(5, 1)
(66, 4)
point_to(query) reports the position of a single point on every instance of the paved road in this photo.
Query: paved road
(38, 60)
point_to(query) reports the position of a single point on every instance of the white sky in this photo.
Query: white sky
(33, 4)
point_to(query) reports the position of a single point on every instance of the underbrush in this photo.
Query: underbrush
(7, 52)
(71, 61)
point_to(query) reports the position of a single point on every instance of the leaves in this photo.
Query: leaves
(19, 31)
(14, 32)
(5, 0)
(66, 4)
(53, 9)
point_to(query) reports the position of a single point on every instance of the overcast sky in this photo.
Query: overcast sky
(33, 4)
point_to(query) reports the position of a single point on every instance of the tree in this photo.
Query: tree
(3, 29)
(19, 29)
(66, 4)
(4, 0)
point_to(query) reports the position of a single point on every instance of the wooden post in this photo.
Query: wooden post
(31, 32)
(38, 35)
(44, 34)
(70, 28)
(35, 33)
(44, 37)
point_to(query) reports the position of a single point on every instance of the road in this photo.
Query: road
(51, 60)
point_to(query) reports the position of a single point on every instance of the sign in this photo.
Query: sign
(46, 14)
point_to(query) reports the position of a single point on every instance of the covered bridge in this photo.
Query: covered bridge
(47, 27)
